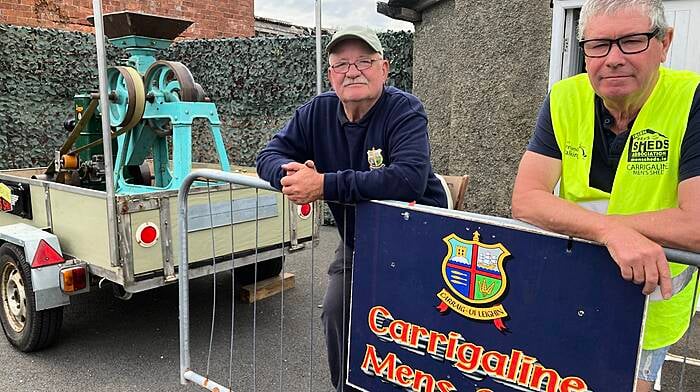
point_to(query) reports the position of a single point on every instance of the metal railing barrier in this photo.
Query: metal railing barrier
(236, 210)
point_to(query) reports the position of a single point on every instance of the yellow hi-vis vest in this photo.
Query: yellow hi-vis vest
(646, 177)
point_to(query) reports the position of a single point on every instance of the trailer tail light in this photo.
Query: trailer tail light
(147, 234)
(46, 255)
(304, 210)
(74, 279)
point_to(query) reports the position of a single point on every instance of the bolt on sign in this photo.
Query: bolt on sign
(446, 301)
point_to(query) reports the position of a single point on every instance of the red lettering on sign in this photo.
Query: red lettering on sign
(371, 365)
(471, 363)
(525, 370)
(453, 340)
(404, 376)
(573, 384)
(436, 339)
(538, 376)
(513, 365)
(374, 313)
(398, 330)
(446, 386)
(416, 333)
(500, 367)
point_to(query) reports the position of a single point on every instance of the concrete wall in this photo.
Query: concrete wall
(481, 69)
(213, 18)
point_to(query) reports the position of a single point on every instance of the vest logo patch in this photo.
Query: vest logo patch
(648, 153)
(648, 146)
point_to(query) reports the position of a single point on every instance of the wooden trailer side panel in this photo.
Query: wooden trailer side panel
(148, 258)
(80, 222)
(38, 203)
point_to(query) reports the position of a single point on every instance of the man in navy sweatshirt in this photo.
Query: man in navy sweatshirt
(361, 141)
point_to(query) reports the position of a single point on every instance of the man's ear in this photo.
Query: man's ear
(666, 43)
(328, 75)
(385, 69)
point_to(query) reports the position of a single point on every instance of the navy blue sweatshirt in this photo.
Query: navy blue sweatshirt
(320, 131)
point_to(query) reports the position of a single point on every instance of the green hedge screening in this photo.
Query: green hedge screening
(255, 82)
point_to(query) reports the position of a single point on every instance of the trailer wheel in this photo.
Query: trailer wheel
(266, 269)
(25, 328)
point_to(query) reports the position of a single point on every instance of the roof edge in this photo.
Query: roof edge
(406, 10)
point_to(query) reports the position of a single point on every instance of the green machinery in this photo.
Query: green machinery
(153, 104)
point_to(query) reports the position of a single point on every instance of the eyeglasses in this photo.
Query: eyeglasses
(343, 67)
(629, 44)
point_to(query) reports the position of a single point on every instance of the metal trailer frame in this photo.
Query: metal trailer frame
(126, 270)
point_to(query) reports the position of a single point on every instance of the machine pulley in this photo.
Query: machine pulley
(173, 80)
(127, 96)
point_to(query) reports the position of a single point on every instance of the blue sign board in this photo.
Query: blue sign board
(447, 301)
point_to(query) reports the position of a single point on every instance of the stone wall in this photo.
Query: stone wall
(481, 68)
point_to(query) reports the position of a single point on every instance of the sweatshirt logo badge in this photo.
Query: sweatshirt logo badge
(476, 279)
(375, 158)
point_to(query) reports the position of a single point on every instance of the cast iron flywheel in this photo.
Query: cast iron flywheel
(171, 79)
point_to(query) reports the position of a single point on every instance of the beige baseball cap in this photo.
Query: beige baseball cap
(356, 32)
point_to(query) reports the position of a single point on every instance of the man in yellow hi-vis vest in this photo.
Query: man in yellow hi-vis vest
(623, 142)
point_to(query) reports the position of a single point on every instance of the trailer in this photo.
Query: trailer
(106, 213)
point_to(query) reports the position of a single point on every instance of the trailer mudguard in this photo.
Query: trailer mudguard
(45, 280)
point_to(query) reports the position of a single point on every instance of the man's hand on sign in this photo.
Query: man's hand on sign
(640, 260)
(302, 184)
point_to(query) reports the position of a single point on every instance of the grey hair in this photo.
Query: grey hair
(654, 9)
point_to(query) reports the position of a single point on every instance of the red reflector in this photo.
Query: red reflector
(149, 234)
(46, 255)
(305, 210)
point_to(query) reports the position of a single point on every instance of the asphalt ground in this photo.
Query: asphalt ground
(674, 377)
(114, 345)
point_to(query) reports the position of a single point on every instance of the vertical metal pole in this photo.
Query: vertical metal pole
(233, 288)
(312, 318)
(106, 132)
(319, 56)
(213, 266)
(255, 289)
(284, 261)
(183, 278)
(319, 90)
